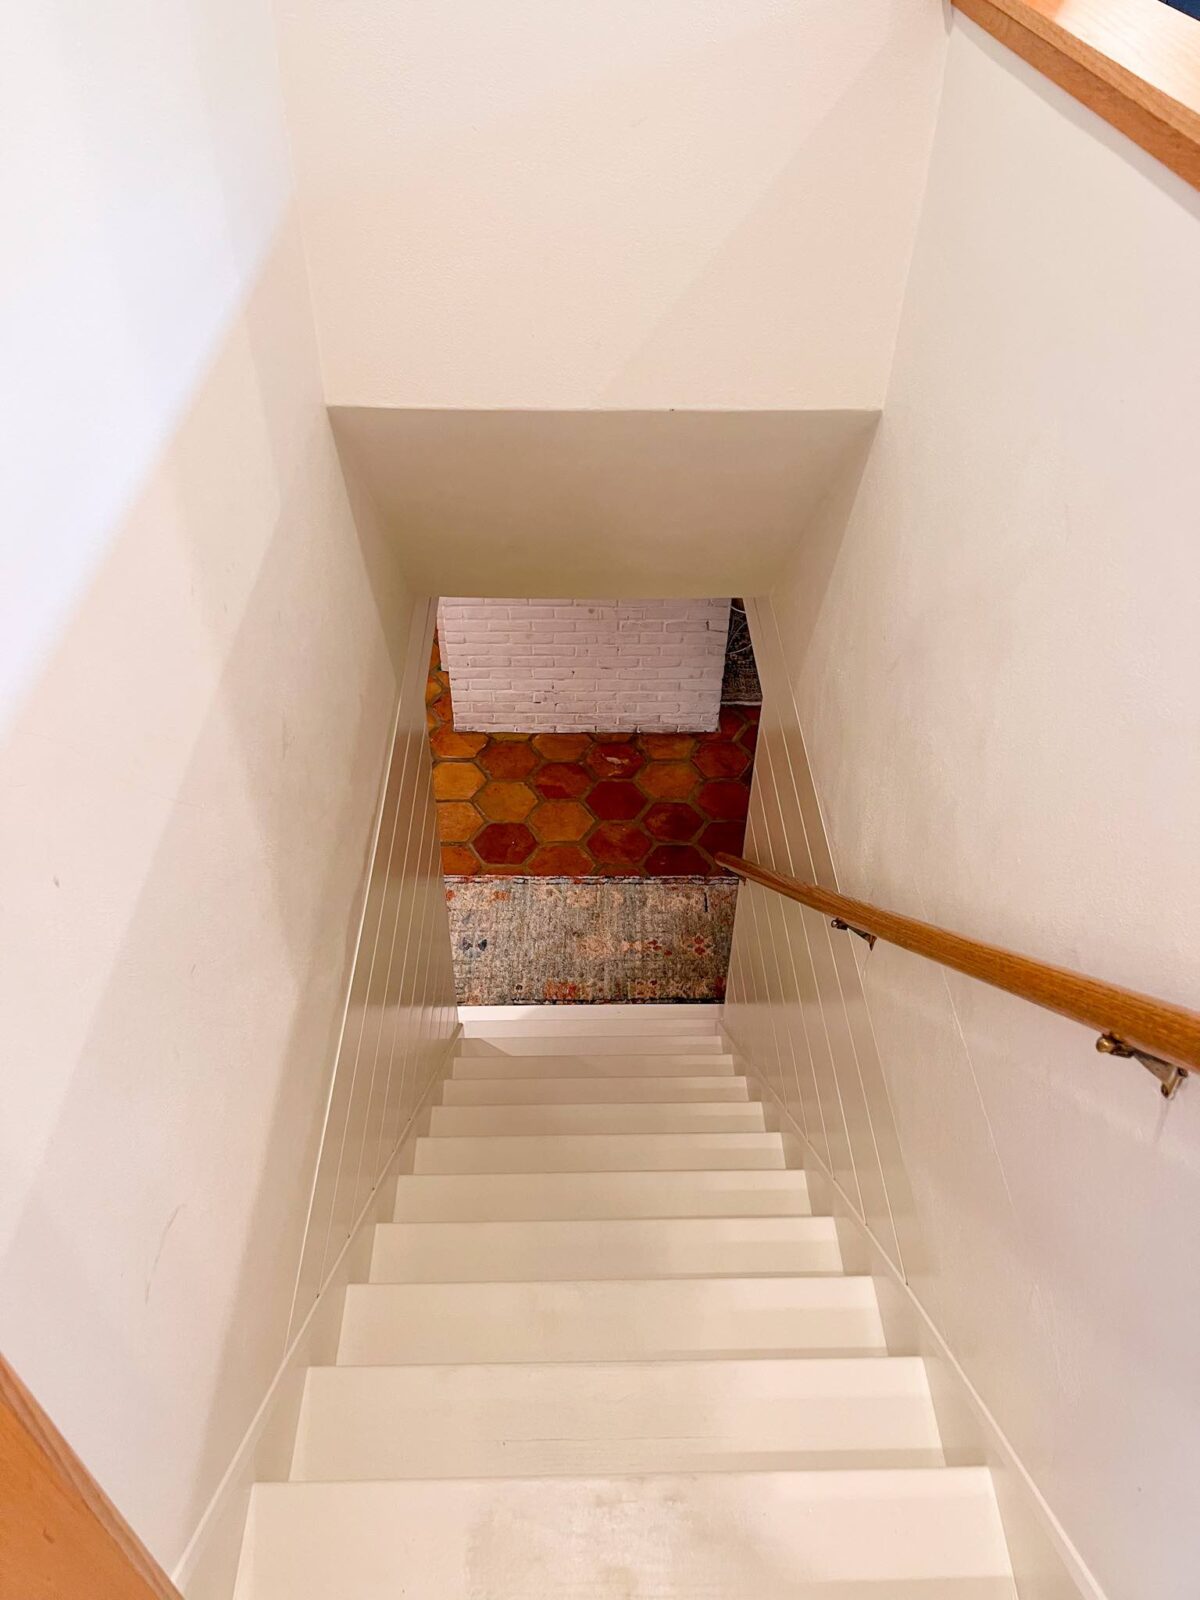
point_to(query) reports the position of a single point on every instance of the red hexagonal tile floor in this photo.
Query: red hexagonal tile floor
(589, 805)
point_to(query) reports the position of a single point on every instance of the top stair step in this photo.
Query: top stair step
(593, 1021)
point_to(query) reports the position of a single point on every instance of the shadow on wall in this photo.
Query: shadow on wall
(188, 792)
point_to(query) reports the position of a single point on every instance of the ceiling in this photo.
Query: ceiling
(589, 503)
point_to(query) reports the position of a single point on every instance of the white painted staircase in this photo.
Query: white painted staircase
(606, 1351)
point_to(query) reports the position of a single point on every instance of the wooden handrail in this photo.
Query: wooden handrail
(1136, 63)
(1164, 1037)
(60, 1536)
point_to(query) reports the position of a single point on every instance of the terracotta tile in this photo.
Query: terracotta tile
(618, 845)
(512, 738)
(448, 744)
(433, 688)
(431, 718)
(456, 821)
(503, 844)
(561, 746)
(668, 746)
(506, 802)
(727, 836)
(729, 724)
(616, 801)
(722, 759)
(562, 780)
(724, 799)
(562, 861)
(511, 760)
(671, 819)
(668, 780)
(456, 780)
(677, 861)
(560, 820)
(458, 861)
(613, 760)
(748, 737)
(442, 707)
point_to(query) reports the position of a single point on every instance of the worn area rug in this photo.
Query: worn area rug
(590, 941)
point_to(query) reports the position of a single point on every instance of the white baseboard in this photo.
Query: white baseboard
(1046, 1565)
(207, 1570)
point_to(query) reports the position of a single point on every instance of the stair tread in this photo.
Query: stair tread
(679, 1090)
(592, 1044)
(427, 1252)
(536, 1419)
(824, 1535)
(567, 1196)
(609, 1319)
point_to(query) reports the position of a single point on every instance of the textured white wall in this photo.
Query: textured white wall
(994, 645)
(558, 203)
(563, 666)
(201, 657)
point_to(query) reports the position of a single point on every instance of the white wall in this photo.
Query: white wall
(560, 203)
(201, 656)
(566, 666)
(994, 645)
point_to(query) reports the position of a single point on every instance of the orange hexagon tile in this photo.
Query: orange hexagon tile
(588, 804)
(505, 844)
(722, 759)
(562, 746)
(560, 821)
(668, 780)
(457, 821)
(562, 861)
(456, 780)
(459, 862)
(509, 760)
(450, 745)
(506, 802)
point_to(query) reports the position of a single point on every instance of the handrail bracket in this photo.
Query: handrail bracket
(1168, 1074)
(848, 927)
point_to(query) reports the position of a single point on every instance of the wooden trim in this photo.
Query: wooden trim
(1142, 1022)
(1136, 63)
(61, 1538)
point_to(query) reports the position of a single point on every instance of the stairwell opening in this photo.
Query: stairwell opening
(590, 760)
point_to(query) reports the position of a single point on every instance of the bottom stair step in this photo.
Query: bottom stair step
(605, 1418)
(885, 1535)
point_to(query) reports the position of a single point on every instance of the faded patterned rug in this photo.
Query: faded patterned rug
(589, 941)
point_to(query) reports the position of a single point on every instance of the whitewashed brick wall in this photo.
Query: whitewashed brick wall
(567, 666)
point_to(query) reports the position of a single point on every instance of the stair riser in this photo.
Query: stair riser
(495, 1252)
(595, 1091)
(567, 1196)
(429, 1422)
(641, 1320)
(474, 1068)
(489, 1121)
(628, 1152)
